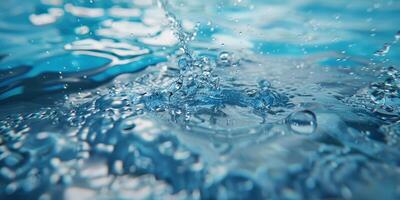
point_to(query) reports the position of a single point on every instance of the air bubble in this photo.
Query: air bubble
(302, 122)
(225, 58)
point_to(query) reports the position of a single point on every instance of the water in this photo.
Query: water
(215, 99)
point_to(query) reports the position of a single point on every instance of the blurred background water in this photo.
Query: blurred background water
(217, 99)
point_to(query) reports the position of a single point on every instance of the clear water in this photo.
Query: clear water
(218, 99)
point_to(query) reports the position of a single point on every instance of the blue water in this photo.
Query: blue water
(218, 99)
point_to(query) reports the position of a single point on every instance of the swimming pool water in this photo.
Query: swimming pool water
(219, 99)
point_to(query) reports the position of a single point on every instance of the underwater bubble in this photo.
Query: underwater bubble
(303, 122)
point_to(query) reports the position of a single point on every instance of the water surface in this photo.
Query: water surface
(245, 99)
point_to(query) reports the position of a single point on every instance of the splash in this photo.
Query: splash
(198, 95)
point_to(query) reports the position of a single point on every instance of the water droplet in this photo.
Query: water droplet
(378, 97)
(383, 51)
(264, 84)
(302, 122)
(225, 58)
(397, 36)
(183, 63)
